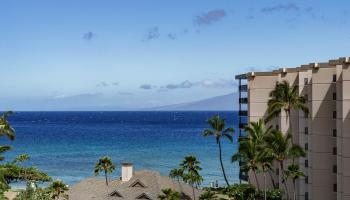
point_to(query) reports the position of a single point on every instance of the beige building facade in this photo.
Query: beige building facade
(324, 132)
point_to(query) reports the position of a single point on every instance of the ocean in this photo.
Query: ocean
(66, 145)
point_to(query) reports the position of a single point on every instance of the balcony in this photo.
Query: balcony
(243, 100)
(242, 125)
(243, 176)
(243, 88)
(243, 113)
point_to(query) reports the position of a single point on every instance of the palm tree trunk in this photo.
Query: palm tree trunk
(290, 126)
(106, 178)
(222, 165)
(284, 182)
(265, 186)
(286, 188)
(107, 192)
(294, 192)
(180, 186)
(194, 194)
(256, 179)
(272, 180)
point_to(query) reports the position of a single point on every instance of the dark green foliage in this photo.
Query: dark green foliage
(208, 195)
(5, 127)
(274, 194)
(249, 192)
(169, 194)
(176, 174)
(189, 172)
(285, 97)
(252, 151)
(241, 192)
(191, 169)
(57, 190)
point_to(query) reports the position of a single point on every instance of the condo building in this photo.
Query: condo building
(324, 132)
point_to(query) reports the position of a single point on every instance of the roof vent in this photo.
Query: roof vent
(127, 171)
(115, 194)
(284, 70)
(252, 74)
(137, 183)
(316, 65)
(143, 196)
(347, 60)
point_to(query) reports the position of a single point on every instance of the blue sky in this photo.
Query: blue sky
(61, 54)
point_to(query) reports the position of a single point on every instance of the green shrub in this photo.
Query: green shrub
(249, 192)
(240, 192)
(272, 194)
(208, 195)
(31, 194)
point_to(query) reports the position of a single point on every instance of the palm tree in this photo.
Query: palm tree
(265, 164)
(282, 148)
(3, 149)
(176, 174)
(57, 190)
(5, 127)
(20, 159)
(251, 148)
(218, 130)
(285, 97)
(169, 194)
(296, 151)
(257, 131)
(191, 168)
(294, 173)
(248, 155)
(208, 195)
(106, 165)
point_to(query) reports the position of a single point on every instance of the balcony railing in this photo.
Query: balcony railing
(243, 113)
(243, 88)
(242, 125)
(243, 100)
(243, 176)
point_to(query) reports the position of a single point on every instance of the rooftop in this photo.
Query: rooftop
(310, 66)
(144, 184)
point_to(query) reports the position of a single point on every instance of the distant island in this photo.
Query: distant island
(226, 102)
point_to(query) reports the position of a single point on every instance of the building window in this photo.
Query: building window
(334, 132)
(334, 96)
(334, 114)
(306, 97)
(306, 115)
(277, 171)
(334, 150)
(335, 187)
(306, 130)
(335, 169)
(334, 78)
(306, 81)
(306, 163)
(306, 179)
(277, 127)
(306, 196)
(306, 146)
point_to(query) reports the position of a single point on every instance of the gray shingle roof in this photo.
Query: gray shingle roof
(143, 183)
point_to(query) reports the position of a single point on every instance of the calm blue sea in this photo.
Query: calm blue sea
(66, 145)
